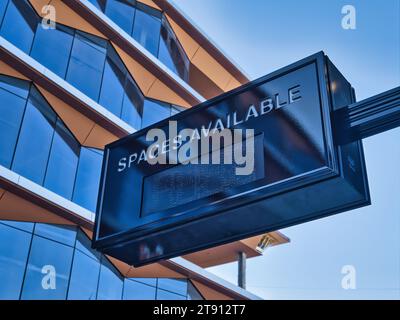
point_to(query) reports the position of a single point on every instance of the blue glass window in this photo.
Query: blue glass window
(25, 226)
(137, 291)
(84, 244)
(15, 86)
(178, 286)
(63, 162)
(3, 7)
(171, 53)
(13, 94)
(52, 48)
(19, 24)
(14, 249)
(110, 283)
(88, 178)
(112, 89)
(84, 277)
(166, 295)
(87, 63)
(154, 111)
(147, 27)
(149, 281)
(46, 257)
(133, 104)
(99, 4)
(59, 233)
(122, 12)
(35, 139)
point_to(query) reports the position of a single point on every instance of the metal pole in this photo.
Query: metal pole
(369, 117)
(242, 270)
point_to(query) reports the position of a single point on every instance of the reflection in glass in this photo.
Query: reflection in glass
(146, 30)
(84, 277)
(63, 162)
(112, 89)
(19, 24)
(154, 111)
(88, 178)
(14, 249)
(11, 111)
(149, 281)
(171, 53)
(110, 283)
(166, 295)
(3, 7)
(59, 233)
(86, 64)
(84, 244)
(133, 104)
(35, 139)
(52, 48)
(137, 291)
(25, 226)
(49, 261)
(122, 12)
(178, 286)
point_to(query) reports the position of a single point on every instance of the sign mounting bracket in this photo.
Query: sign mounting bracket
(369, 117)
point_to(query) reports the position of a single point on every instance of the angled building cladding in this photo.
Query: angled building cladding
(107, 69)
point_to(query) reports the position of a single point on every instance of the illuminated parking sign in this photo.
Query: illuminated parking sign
(286, 169)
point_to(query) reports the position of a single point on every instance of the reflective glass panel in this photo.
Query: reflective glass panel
(84, 277)
(52, 48)
(12, 109)
(154, 111)
(84, 244)
(35, 139)
(178, 286)
(25, 226)
(48, 270)
(14, 249)
(138, 291)
(3, 7)
(171, 53)
(59, 233)
(149, 281)
(86, 64)
(110, 283)
(166, 295)
(133, 104)
(122, 12)
(112, 89)
(147, 30)
(88, 178)
(63, 162)
(19, 24)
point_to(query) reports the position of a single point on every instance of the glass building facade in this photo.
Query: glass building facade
(41, 259)
(87, 62)
(151, 29)
(47, 262)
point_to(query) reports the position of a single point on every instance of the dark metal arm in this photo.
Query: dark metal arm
(369, 117)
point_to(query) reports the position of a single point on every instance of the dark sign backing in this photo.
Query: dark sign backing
(150, 212)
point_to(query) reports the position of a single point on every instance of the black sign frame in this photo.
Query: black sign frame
(123, 245)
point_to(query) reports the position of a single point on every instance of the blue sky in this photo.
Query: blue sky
(264, 35)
